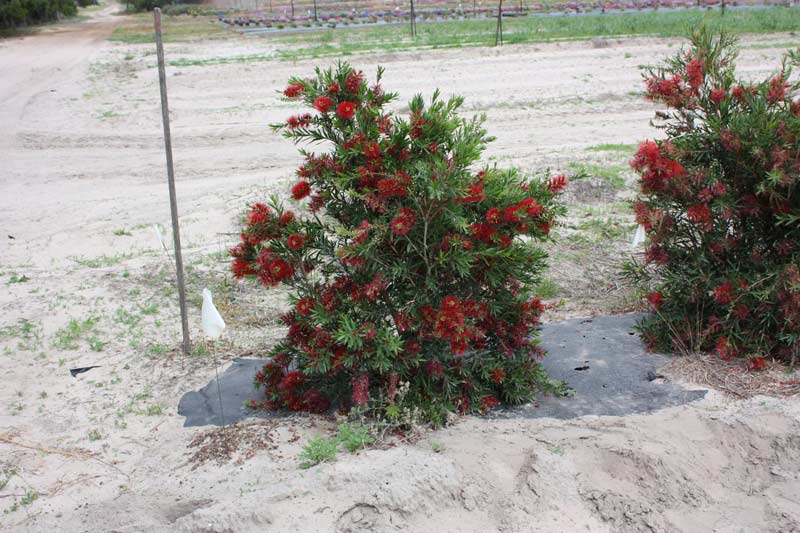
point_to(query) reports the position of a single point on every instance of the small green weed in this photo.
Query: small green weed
(17, 278)
(354, 436)
(67, 337)
(318, 450)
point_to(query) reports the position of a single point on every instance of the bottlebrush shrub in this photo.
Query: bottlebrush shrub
(720, 205)
(408, 269)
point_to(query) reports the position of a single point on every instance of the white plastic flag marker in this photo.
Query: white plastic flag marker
(638, 237)
(160, 237)
(213, 324)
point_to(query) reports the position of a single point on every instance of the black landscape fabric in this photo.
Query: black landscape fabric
(601, 359)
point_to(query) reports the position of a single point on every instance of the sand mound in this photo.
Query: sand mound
(715, 465)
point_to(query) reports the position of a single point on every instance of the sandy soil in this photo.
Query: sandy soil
(85, 283)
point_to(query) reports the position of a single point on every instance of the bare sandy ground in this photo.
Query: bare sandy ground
(85, 283)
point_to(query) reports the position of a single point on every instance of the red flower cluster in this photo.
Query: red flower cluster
(300, 190)
(271, 268)
(301, 121)
(656, 299)
(656, 167)
(450, 324)
(557, 184)
(293, 91)
(305, 306)
(393, 187)
(346, 110)
(360, 394)
(403, 222)
(323, 104)
(294, 242)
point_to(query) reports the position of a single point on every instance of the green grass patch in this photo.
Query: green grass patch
(597, 230)
(530, 30)
(67, 337)
(28, 333)
(174, 29)
(547, 288)
(101, 261)
(624, 148)
(611, 174)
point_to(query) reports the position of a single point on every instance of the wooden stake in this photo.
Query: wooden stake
(413, 21)
(173, 204)
(498, 35)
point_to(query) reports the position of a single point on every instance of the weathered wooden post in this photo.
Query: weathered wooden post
(498, 35)
(173, 204)
(413, 21)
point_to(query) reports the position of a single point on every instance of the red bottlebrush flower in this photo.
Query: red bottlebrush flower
(368, 331)
(723, 294)
(695, 72)
(730, 141)
(488, 403)
(403, 222)
(741, 311)
(757, 364)
(333, 88)
(434, 368)
(280, 270)
(777, 90)
(323, 104)
(346, 110)
(497, 374)
(738, 92)
(646, 156)
(510, 214)
(531, 207)
(416, 126)
(724, 349)
(545, 227)
(656, 300)
(300, 190)
(360, 394)
(372, 150)
(317, 202)
(392, 390)
(493, 216)
(670, 90)
(505, 241)
(474, 194)
(483, 232)
(305, 306)
(557, 184)
(718, 95)
(392, 187)
(241, 268)
(433, 147)
(301, 121)
(287, 217)
(294, 90)
(656, 254)
(259, 214)
(372, 290)
(294, 242)
(701, 214)
(354, 81)
(314, 402)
